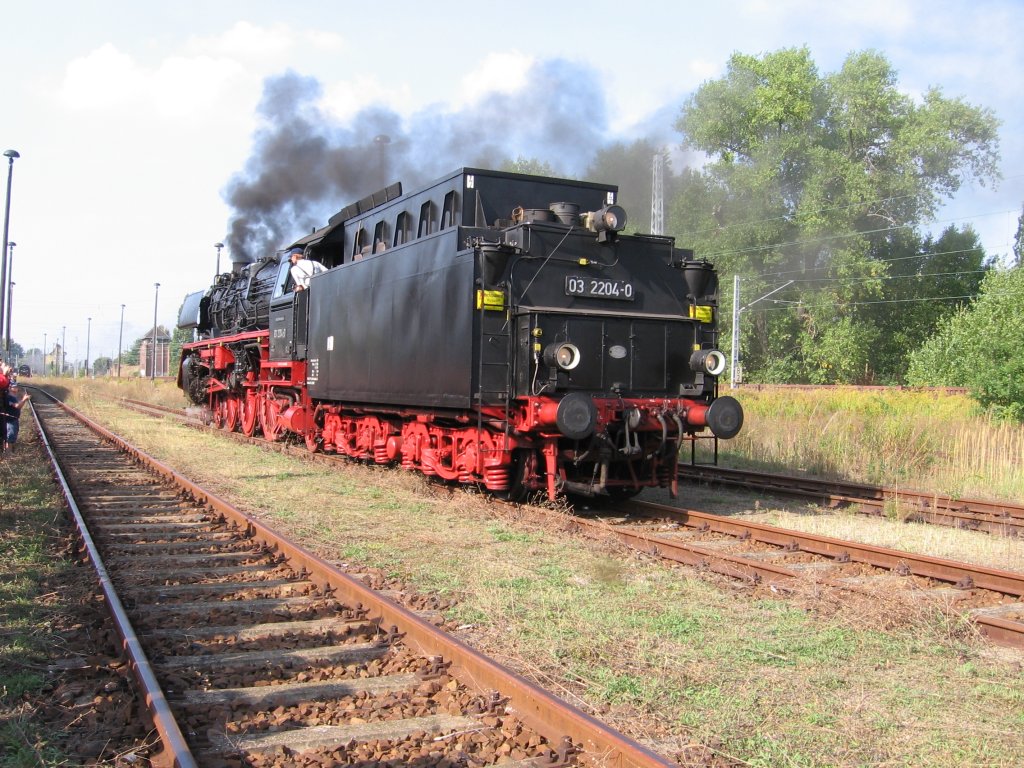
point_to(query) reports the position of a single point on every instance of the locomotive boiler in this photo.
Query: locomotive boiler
(492, 328)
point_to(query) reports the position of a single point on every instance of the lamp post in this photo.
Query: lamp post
(156, 298)
(10, 292)
(88, 337)
(218, 246)
(382, 141)
(44, 353)
(11, 155)
(63, 346)
(120, 335)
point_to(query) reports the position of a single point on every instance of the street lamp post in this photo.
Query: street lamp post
(382, 142)
(156, 298)
(11, 155)
(44, 354)
(63, 347)
(218, 246)
(88, 338)
(10, 291)
(120, 335)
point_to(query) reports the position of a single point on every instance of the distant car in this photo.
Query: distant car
(24, 371)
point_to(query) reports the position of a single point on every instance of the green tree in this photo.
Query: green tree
(101, 366)
(131, 356)
(816, 179)
(980, 347)
(1018, 241)
(529, 165)
(178, 337)
(927, 281)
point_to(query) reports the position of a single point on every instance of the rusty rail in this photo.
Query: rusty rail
(537, 708)
(1000, 517)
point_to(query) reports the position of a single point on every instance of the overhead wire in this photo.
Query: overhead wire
(803, 305)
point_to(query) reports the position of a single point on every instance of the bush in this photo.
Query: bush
(980, 347)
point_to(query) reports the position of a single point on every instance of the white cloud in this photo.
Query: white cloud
(345, 98)
(879, 16)
(190, 87)
(326, 41)
(246, 41)
(101, 79)
(179, 87)
(497, 73)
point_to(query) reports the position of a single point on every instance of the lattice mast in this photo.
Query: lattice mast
(658, 196)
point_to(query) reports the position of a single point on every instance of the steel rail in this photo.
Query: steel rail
(961, 575)
(1002, 517)
(736, 566)
(998, 630)
(163, 719)
(537, 708)
(941, 569)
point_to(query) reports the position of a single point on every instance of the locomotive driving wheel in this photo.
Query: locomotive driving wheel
(218, 413)
(270, 410)
(231, 409)
(250, 412)
(313, 439)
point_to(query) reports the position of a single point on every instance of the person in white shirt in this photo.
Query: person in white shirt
(303, 269)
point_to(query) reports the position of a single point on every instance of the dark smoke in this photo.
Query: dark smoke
(306, 166)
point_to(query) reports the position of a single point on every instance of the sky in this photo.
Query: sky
(150, 131)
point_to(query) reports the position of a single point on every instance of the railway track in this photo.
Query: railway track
(998, 517)
(992, 599)
(251, 650)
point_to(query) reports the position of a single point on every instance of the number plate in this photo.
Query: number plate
(599, 288)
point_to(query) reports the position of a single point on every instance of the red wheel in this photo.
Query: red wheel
(250, 412)
(231, 409)
(219, 410)
(313, 439)
(272, 429)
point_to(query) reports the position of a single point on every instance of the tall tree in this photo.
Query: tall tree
(814, 179)
(1018, 242)
(980, 347)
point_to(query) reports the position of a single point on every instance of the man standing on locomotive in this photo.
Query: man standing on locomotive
(303, 269)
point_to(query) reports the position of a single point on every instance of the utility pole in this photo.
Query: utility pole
(658, 196)
(735, 375)
(737, 310)
(156, 298)
(120, 335)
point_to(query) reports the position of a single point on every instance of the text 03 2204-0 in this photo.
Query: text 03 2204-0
(598, 288)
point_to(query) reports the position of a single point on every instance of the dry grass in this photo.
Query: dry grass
(927, 440)
(692, 663)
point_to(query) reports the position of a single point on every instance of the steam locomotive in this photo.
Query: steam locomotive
(492, 328)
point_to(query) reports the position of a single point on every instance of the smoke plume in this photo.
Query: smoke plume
(306, 165)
